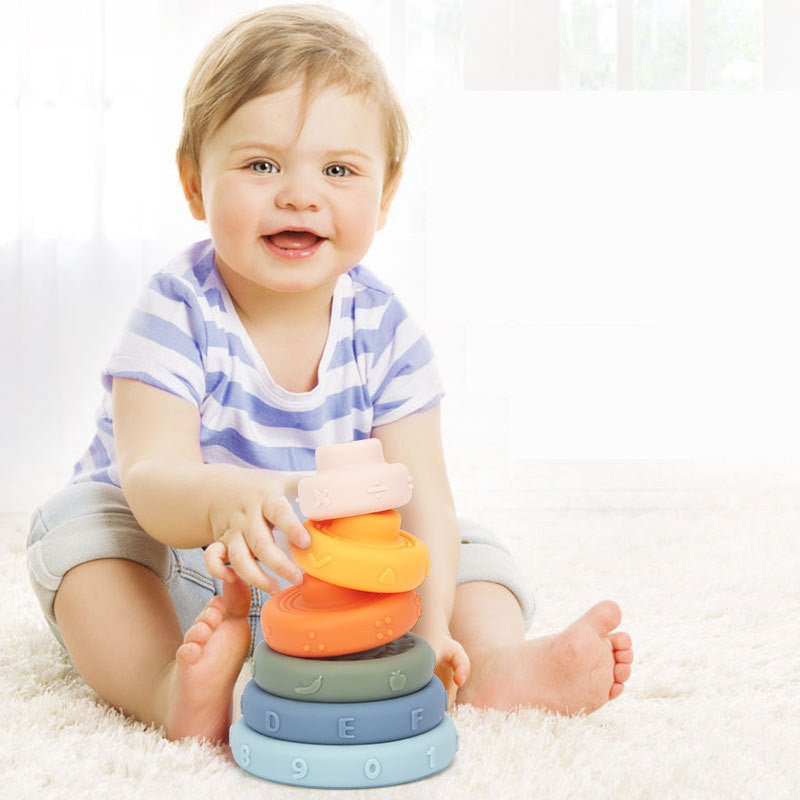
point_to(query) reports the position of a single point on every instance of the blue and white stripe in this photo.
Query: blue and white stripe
(185, 337)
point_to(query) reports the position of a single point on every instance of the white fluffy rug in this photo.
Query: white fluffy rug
(705, 563)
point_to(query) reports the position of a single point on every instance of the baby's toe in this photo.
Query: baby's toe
(235, 600)
(199, 633)
(620, 640)
(188, 653)
(217, 602)
(604, 617)
(623, 656)
(212, 616)
(615, 691)
(622, 672)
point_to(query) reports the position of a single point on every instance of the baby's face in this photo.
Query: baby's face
(257, 181)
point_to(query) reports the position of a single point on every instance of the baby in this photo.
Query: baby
(241, 357)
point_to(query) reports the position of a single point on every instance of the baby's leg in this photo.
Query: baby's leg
(119, 601)
(580, 668)
(119, 625)
(577, 670)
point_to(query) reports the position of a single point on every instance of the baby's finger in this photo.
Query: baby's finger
(247, 569)
(264, 548)
(215, 557)
(280, 513)
(459, 662)
(461, 674)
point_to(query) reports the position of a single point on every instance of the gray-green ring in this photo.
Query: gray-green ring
(391, 670)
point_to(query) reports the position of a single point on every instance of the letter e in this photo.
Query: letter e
(346, 727)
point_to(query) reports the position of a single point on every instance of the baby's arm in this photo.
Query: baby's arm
(183, 502)
(416, 441)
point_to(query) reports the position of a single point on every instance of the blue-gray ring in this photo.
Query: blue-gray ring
(344, 723)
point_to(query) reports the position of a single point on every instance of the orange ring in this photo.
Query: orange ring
(315, 619)
(367, 552)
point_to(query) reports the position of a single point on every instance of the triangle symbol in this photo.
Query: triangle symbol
(387, 577)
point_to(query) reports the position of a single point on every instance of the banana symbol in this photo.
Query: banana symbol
(311, 688)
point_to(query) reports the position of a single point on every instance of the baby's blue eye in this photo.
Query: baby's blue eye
(257, 164)
(338, 166)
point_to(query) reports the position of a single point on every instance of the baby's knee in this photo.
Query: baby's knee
(82, 525)
(484, 558)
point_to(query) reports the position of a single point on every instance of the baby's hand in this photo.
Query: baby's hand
(452, 667)
(242, 519)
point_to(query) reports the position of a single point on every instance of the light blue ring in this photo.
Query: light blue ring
(330, 766)
(344, 723)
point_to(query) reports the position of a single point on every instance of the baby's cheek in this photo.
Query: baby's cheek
(362, 216)
(230, 207)
(235, 214)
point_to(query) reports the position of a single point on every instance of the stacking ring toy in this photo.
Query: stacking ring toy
(344, 723)
(353, 478)
(315, 619)
(368, 552)
(391, 670)
(330, 766)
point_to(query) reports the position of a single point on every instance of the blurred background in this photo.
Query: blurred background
(598, 222)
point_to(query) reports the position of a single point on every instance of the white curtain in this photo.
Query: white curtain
(528, 225)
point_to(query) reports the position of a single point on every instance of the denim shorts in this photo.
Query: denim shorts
(89, 520)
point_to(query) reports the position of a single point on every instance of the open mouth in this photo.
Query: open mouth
(294, 244)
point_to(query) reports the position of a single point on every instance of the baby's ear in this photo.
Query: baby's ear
(386, 201)
(190, 180)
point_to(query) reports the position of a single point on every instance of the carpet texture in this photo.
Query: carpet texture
(707, 577)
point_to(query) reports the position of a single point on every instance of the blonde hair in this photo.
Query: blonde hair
(270, 50)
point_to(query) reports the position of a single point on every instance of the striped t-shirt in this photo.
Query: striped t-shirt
(184, 336)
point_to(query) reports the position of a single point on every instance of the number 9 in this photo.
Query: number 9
(300, 767)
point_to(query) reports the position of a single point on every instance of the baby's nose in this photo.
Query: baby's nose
(298, 193)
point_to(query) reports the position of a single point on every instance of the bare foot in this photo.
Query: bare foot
(202, 677)
(575, 671)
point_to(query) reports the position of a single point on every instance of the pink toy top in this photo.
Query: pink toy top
(353, 478)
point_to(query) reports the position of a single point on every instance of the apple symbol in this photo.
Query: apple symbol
(397, 680)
